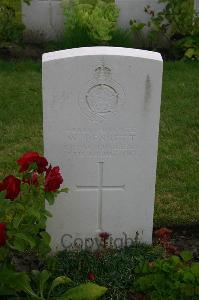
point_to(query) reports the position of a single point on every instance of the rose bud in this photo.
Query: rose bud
(91, 276)
(104, 235)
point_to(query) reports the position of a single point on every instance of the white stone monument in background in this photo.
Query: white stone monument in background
(196, 5)
(45, 17)
(134, 9)
(101, 110)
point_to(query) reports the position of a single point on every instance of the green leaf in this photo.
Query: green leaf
(4, 202)
(19, 206)
(43, 249)
(17, 220)
(59, 281)
(46, 237)
(65, 190)
(188, 277)
(25, 188)
(3, 253)
(190, 53)
(35, 275)
(88, 291)
(135, 26)
(186, 255)
(44, 276)
(175, 260)
(17, 281)
(19, 245)
(48, 214)
(23, 283)
(195, 268)
(27, 238)
(35, 213)
(50, 197)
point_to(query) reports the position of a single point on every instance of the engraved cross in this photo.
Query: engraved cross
(100, 188)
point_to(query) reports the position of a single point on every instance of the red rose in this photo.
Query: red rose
(32, 157)
(163, 234)
(11, 185)
(33, 179)
(3, 236)
(170, 248)
(53, 179)
(104, 235)
(91, 276)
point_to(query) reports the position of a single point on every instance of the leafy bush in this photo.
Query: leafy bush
(171, 278)
(89, 22)
(23, 219)
(11, 27)
(178, 22)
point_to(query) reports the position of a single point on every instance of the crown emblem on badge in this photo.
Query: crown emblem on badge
(102, 72)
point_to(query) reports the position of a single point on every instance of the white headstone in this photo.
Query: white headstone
(135, 9)
(101, 120)
(44, 18)
(196, 5)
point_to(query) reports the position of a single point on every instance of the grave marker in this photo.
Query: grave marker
(44, 19)
(101, 119)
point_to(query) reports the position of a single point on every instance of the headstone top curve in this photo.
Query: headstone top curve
(113, 51)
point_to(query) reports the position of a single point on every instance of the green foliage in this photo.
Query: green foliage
(23, 216)
(112, 268)
(11, 27)
(136, 29)
(22, 228)
(188, 46)
(11, 282)
(89, 22)
(178, 22)
(176, 188)
(89, 291)
(26, 220)
(171, 278)
(41, 286)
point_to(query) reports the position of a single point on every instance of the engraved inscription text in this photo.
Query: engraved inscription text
(101, 142)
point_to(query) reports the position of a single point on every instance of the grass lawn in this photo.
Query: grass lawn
(114, 269)
(177, 189)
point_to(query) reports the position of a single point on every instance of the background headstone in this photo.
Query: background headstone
(101, 119)
(43, 19)
(134, 9)
(197, 5)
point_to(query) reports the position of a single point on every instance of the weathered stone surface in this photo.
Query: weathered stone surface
(101, 121)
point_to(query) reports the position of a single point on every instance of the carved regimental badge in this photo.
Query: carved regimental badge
(102, 96)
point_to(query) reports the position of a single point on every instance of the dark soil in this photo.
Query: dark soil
(26, 261)
(14, 51)
(186, 238)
